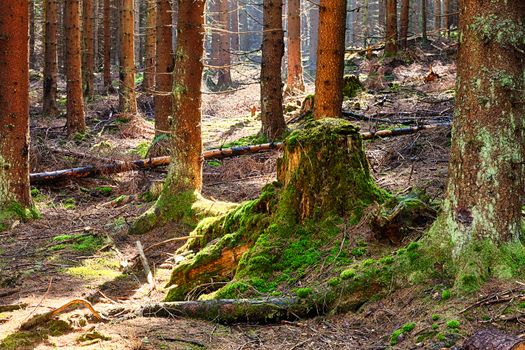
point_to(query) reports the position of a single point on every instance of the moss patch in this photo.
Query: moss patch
(15, 211)
(30, 339)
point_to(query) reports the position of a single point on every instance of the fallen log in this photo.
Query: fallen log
(143, 164)
(229, 311)
(493, 339)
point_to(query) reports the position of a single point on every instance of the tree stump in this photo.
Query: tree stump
(493, 339)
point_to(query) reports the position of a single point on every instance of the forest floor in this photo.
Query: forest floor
(80, 247)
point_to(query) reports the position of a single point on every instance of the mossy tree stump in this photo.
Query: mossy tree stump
(323, 180)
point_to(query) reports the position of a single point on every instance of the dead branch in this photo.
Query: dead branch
(14, 307)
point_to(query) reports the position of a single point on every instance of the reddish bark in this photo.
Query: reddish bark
(295, 64)
(50, 59)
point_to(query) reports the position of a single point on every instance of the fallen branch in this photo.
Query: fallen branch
(43, 318)
(145, 265)
(122, 166)
(233, 310)
(9, 308)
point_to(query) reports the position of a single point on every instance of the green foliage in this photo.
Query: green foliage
(104, 267)
(351, 86)
(69, 203)
(214, 163)
(80, 243)
(454, 324)
(303, 292)
(435, 326)
(141, 149)
(445, 295)
(247, 141)
(30, 339)
(16, 211)
(408, 327)
(348, 274)
(105, 191)
(435, 317)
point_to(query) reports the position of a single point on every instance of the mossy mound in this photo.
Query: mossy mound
(351, 86)
(15, 211)
(31, 338)
(324, 183)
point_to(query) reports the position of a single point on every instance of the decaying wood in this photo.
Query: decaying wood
(145, 265)
(8, 292)
(493, 339)
(39, 319)
(233, 310)
(14, 307)
(142, 164)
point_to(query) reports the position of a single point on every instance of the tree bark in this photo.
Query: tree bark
(88, 34)
(330, 53)
(446, 19)
(164, 71)
(314, 32)
(486, 175)
(108, 87)
(49, 99)
(33, 61)
(437, 16)
(244, 36)
(273, 123)
(234, 36)
(220, 54)
(295, 60)
(424, 19)
(127, 96)
(391, 28)
(493, 339)
(405, 16)
(75, 101)
(14, 99)
(151, 42)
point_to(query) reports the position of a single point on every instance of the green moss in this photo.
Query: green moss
(247, 141)
(69, 203)
(334, 282)
(303, 292)
(348, 274)
(435, 317)
(30, 339)
(506, 32)
(141, 149)
(351, 86)
(406, 328)
(435, 326)
(104, 267)
(454, 324)
(15, 211)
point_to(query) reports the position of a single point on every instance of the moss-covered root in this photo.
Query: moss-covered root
(235, 310)
(185, 208)
(16, 211)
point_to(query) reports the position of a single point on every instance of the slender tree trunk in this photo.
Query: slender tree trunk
(234, 37)
(366, 12)
(174, 23)
(61, 40)
(151, 42)
(244, 37)
(437, 16)
(314, 32)
(330, 66)
(186, 170)
(75, 102)
(424, 19)
(164, 71)
(221, 43)
(108, 87)
(405, 15)
(88, 33)
(382, 14)
(273, 124)
(127, 97)
(14, 99)
(391, 28)
(50, 59)
(33, 61)
(485, 193)
(446, 18)
(295, 60)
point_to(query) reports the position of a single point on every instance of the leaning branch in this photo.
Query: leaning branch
(143, 164)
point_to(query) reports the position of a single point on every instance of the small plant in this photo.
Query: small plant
(435, 317)
(360, 251)
(435, 326)
(69, 203)
(303, 292)
(214, 163)
(453, 324)
(105, 191)
(445, 295)
(348, 274)
(141, 149)
(334, 282)
(407, 327)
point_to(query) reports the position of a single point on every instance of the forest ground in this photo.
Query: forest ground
(80, 246)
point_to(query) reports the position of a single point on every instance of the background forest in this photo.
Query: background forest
(274, 174)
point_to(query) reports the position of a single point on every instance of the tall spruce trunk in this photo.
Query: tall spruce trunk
(164, 69)
(446, 16)
(49, 100)
(314, 32)
(234, 26)
(424, 19)
(391, 28)
(33, 61)
(75, 102)
(273, 123)
(151, 42)
(107, 47)
(330, 54)
(14, 99)
(295, 80)
(244, 36)
(485, 193)
(221, 43)
(127, 96)
(437, 16)
(88, 34)
(404, 19)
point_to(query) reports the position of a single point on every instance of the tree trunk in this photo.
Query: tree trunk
(164, 71)
(49, 103)
(486, 175)
(108, 87)
(382, 14)
(405, 15)
(314, 32)
(273, 124)
(391, 28)
(151, 41)
(330, 66)
(14, 99)
(75, 101)
(88, 33)
(244, 36)
(220, 54)
(234, 37)
(446, 19)
(295, 60)
(437, 16)
(365, 22)
(424, 19)
(33, 61)
(127, 97)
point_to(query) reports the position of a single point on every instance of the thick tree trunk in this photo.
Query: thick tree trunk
(127, 96)
(437, 16)
(151, 42)
(108, 87)
(88, 34)
(49, 99)
(404, 19)
(314, 32)
(493, 339)
(486, 174)
(75, 102)
(295, 60)
(164, 69)
(330, 65)
(273, 124)
(14, 99)
(391, 28)
(234, 27)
